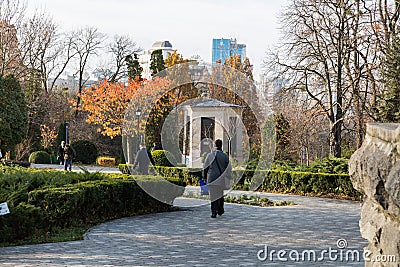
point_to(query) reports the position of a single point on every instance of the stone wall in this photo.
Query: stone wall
(375, 171)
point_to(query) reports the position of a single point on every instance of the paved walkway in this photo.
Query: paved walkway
(189, 237)
(76, 168)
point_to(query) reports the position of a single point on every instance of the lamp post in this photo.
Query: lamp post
(138, 113)
(66, 132)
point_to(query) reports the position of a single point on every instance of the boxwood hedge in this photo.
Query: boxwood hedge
(40, 157)
(301, 183)
(41, 201)
(190, 176)
(278, 181)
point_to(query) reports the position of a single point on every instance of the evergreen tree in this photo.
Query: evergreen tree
(134, 68)
(389, 108)
(13, 113)
(156, 62)
(33, 91)
(60, 136)
(282, 137)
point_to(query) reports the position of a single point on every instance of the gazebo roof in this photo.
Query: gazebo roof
(213, 103)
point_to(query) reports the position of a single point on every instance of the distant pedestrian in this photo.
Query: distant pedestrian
(60, 153)
(8, 155)
(143, 160)
(69, 155)
(217, 169)
(155, 147)
(1, 155)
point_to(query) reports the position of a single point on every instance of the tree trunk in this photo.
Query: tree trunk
(335, 139)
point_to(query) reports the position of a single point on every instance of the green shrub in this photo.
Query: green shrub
(284, 165)
(326, 165)
(41, 201)
(301, 183)
(189, 176)
(95, 201)
(86, 151)
(40, 157)
(330, 165)
(124, 168)
(24, 220)
(163, 158)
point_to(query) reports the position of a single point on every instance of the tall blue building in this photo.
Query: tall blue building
(224, 48)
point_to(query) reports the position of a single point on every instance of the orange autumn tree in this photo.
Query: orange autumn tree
(155, 99)
(105, 105)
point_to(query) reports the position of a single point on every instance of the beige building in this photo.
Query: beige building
(144, 59)
(208, 120)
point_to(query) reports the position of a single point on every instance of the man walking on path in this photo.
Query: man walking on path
(143, 160)
(216, 169)
(69, 154)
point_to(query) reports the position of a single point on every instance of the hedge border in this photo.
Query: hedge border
(276, 181)
(41, 203)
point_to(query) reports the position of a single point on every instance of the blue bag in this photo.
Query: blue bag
(203, 188)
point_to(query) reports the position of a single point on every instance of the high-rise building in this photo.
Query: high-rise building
(224, 48)
(144, 59)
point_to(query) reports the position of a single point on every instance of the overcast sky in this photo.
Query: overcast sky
(189, 25)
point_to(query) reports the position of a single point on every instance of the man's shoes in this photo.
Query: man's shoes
(213, 215)
(220, 212)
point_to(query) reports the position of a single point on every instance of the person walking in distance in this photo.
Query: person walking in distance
(60, 153)
(143, 160)
(69, 155)
(155, 147)
(216, 169)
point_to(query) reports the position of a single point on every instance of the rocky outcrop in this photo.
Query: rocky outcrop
(375, 172)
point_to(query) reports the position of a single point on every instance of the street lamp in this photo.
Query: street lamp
(138, 113)
(66, 132)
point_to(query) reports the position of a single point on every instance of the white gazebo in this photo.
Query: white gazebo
(208, 120)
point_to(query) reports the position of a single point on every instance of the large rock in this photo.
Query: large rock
(375, 172)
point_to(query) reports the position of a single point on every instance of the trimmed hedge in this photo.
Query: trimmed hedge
(190, 176)
(40, 157)
(301, 183)
(277, 181)
(41, 201)
(163, 158)
(95, 201)
(86, 151)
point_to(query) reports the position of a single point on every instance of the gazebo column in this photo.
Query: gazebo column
(239, 142)
(195, 142)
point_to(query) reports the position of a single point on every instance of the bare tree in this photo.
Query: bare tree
(307, 131)
(87, 41)
(38, 40)
(11, 17)
(314, 56)
(385, 15)
(121, 47)
(45, 50)
(64, 53)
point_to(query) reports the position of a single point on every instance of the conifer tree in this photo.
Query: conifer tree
(13, 113)
(389, 108)
(156, 62)
(134, 68)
